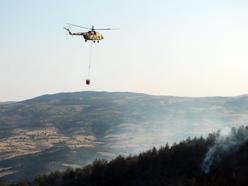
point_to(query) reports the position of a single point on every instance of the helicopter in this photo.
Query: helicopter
(91, 35)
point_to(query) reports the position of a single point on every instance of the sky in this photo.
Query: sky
(164, 47)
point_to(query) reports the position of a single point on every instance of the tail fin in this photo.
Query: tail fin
(67, 29)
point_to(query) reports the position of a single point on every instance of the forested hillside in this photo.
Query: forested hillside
(180, 164)
(64, 130)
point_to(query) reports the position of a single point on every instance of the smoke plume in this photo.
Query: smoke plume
(227, 141)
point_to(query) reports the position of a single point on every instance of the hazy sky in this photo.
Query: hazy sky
(165, 47)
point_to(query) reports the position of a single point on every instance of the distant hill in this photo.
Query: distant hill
(6, 102)
(73, 129)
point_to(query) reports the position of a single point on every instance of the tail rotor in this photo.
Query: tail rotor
(68, 30)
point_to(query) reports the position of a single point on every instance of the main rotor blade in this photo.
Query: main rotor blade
(106, 29)
(92, 28)
(78, 26)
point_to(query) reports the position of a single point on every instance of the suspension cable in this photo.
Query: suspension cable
(90, 60)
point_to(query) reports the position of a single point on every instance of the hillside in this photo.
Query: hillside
(73, 129)
(178, 165)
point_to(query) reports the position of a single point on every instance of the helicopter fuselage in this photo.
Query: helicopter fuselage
(93, 36)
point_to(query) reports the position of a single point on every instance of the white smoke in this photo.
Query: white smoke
(227, 141)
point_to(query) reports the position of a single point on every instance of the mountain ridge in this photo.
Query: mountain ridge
(123, 92)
